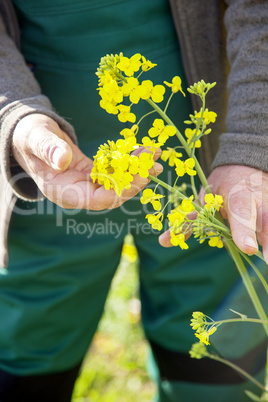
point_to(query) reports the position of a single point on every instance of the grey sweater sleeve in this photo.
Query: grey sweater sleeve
(19, 96)
(246, 139)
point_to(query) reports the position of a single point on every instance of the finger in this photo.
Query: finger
(164, 239)
(262, 230)
(242, 215)
(49, 148)
(140, 150)
(100, 198)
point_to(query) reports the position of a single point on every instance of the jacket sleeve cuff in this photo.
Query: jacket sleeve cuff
(248, 150)
(22, 184)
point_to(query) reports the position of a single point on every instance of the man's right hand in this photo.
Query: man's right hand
(61, 170)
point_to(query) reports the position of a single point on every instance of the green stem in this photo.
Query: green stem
(247, 282)
(147, 114)
(256, 270)
(194, 190)
(168, 102)
(254, 320)
(166, 186)
(237, 368)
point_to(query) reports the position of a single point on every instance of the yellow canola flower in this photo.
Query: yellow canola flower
(147, 64)
(185, 167)
(189, 133)
(146, 163)
(208, 117)
(105, 78)
(131, 89)
(198, 351)
(108, 106)
(122, 180)
(119, 160)
(111, 95)
(150, 196)
(107, 66)
(134, 164)
(213, 201)
(175, 219)
(127, 145)
(175, 85)
(170, 154)
(178, 240)
(214, 241)
(152, 145)
(114, 167)
(189, 165)
(155, 220)
(204, 336)
(125, 114)
(204, 326)
(186, 206)
(161, 131)
(129, 65)
(199, 321)
(148, 90)
(130, 132)
(111, 92)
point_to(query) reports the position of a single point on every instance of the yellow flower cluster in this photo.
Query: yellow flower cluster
(208, 117)
(161, 131)
(203, 328)
(155, 220)
(198, 351)
(190, 134)
(175, 85)
(171, 155)
(114, 166)
(186, 166)
(177, 218)
(150, 196)
(213, 202)
(203, 227)
(117, 81)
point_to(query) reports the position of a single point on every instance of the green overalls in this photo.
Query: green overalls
(62, 261)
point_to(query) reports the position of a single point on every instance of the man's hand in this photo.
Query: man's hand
(245, 194)
(61, 170)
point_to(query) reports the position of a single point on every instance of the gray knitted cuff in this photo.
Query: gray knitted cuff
(22, 184)
(246, 149)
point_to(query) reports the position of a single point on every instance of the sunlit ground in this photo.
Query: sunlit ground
(114, 369)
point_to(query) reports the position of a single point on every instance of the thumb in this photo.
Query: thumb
(48, 147)
(241, 213)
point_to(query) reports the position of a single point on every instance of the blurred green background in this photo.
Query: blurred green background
(115, 367)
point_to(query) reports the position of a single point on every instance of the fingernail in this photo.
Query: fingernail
(57, 155)
(249, 241)
(162, 236)
(159, 168)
